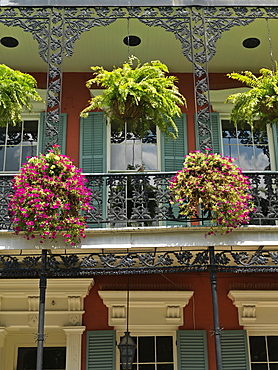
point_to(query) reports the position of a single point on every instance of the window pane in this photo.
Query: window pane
(146, 349)
(3, 135)
(228, 132)
(117, 136)
(165, 367)
(53, 358)
(133, 156)
(14, 135)
(273, 366)
(117, 157)
(230, 151)
(146, 367)
(164, 350)
(2, 150)
(245, 136)
(260, 137)
(28, 151)
(259, 367)
(12, 158)
(262, 160)
(30, 132)
(246, 157)
(272, 344)
(258, 349)
(150, 138)
(149, 156)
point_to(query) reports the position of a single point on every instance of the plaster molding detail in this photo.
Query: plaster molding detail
(75, 319)
(173, 312)
(3, 333)
(63, 304)
(33, 320)
(256, 308)
(56, 288)
(249, 312)
(118, 312)
(73, 340)
(33, 303)
(75, 303)
(161, 310)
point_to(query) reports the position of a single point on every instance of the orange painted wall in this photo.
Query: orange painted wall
(197, 314)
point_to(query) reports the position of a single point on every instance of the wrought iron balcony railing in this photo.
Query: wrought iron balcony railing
(143, 199)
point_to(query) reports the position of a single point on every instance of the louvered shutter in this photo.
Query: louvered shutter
(234, 350)
(172, 157)
(173, 151)
(275, 141)
(215, 130)
(93, 160)
(93, 143)
(61, 126)
(100, 350)
(192, 350)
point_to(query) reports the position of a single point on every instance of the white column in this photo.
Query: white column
(3, 333)
(73, 340)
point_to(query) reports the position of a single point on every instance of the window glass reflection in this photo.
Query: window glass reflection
(17, 143)
(129, 152)
(30, 132)
(249, 147)
(14, 135)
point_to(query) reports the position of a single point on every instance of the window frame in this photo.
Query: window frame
(145, 332)
(26, 117)
(262, 333)
(108, 150)
(273, 164)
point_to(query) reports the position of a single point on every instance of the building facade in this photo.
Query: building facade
(189, 302)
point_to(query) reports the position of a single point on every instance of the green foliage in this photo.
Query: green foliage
(258, 105)
(17, 89)
(139, 95)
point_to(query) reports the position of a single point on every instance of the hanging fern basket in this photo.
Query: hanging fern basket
(141, 95)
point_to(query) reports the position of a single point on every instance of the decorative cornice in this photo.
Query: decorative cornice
(155, 310)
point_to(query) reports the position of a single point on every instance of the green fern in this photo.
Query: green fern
(138, 95)
(17, 89)
(259, 105)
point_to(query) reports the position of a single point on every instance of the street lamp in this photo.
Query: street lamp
(127, 346)
(127, 349)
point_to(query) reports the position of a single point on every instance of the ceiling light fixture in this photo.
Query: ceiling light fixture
(132, 40)
(9, 42)
(251, 43)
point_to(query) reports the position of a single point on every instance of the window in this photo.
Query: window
(250, 147)
(17, 143)
(153, 353)
(263, 352)
(54, 358)
(129, 152)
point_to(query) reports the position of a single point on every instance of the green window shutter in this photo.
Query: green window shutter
(93, 143)
(275, 141)
(100, 350)
(62, 129)
(172, 157)
(192, 350)
(215, 129)
(173, 151)
(234, 350)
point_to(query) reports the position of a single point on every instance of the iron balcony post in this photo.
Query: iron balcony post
(216, 330)
(40, 335)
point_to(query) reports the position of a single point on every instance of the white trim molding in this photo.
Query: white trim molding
(152, 310)
(257, 309)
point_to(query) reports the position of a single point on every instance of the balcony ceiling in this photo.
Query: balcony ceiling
(104, 46)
